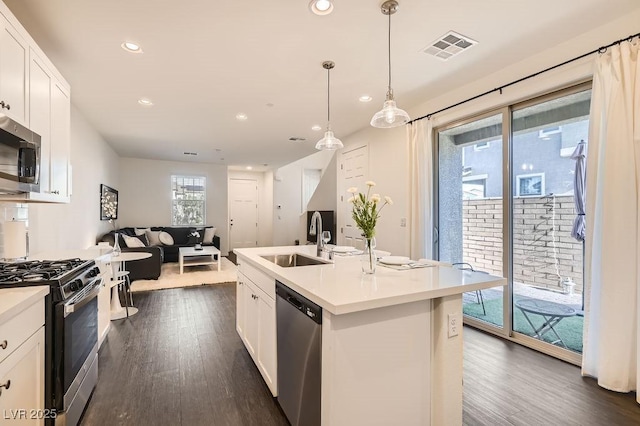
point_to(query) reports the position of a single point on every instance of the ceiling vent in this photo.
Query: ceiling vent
(190, 153)
(449, 45)
(297, 139)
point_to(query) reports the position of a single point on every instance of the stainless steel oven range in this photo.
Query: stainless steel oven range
(71, 330)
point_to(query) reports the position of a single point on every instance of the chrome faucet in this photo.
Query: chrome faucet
(317, 231)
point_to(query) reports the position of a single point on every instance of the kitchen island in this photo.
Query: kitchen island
(390, 354)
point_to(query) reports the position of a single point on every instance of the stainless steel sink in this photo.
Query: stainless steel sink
(294, 259)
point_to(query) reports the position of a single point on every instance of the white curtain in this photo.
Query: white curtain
(612, 260)
(420, 137)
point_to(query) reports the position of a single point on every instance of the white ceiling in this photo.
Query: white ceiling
(204, 61)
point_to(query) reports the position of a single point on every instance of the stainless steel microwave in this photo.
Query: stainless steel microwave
(19, 158)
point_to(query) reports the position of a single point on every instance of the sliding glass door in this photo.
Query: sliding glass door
(547, 259)
(529, 152)
(470, 187)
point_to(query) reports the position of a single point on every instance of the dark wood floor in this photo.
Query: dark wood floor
(180, 362)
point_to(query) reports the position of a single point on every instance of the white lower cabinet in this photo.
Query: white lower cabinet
(240, 305)
(22, 383)
(256, 325)
(267, 340)
(22, 361)
(251, 325)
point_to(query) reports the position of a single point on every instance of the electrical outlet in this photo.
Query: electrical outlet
(454, 324)
(403, 222)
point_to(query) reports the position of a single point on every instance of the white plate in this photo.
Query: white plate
(343, 249)
(395, 260)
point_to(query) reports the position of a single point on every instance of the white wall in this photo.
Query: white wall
(145, 193)
(289, 221)
(388, 165)
(388, 148)
(77, 225)
(324, 197)
(264, 181)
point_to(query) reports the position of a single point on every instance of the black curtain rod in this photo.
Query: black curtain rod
(499, 89)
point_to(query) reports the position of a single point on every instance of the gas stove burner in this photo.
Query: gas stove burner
(33, 277)
(39, 270)
(9, 278)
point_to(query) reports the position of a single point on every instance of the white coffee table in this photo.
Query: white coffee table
(189, 256)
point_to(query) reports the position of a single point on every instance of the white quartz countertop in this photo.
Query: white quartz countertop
(341, 287)
(15, 300)
(90, 253)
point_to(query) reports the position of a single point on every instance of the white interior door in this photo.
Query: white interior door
(354, 166)
(243, 213)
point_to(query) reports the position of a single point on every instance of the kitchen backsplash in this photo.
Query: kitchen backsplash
(9, 212)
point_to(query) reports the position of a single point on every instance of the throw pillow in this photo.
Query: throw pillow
(194, 236)
(154, 238)
(144, 239)
(209, 233)
(141, 231)
(165, 238)
(132, 241)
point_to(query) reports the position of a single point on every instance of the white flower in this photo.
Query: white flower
(370, 183)
(352, 190)
(388, 200)
(351, 200)
(375, 198)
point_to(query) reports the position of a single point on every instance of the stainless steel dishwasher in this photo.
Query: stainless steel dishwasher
(299, 327)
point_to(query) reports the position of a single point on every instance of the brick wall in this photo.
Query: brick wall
(542, 234)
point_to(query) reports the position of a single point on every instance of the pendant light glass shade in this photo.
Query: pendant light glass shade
(390, 115)
(329, 142)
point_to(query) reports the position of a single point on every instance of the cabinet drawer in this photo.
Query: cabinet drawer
(260, 279)
(18, 329)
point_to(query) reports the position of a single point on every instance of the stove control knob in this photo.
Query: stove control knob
(76, 285)
(93, 272)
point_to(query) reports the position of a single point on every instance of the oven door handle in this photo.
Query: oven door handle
(70, 308)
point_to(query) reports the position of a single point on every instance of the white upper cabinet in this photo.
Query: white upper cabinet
(34, 93)
(14, 53)
(40, 84)
(60, 140)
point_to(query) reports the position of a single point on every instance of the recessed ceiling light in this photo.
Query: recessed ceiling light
(316, 128)
(131, 47)
(241, 116)
(249, 168)
(365, 98)
(145, 102)
(321, 7)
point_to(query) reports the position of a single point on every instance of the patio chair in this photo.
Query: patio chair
(463, 266)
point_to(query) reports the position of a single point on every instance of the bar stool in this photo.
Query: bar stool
(118, 273)
(464, 266)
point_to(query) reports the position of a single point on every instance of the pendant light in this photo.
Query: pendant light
(329, 142)
(390, 115)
